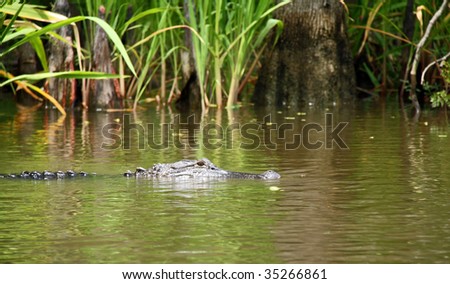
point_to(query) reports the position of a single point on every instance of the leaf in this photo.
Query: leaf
(8, 28)
(27, 86)
(107, 28)
(370, 20)
(40, 52)
(18, 33)
(271, 23)
(65, 74)
(32, 12)
(140, 16)
(48, 97)
(116, 41)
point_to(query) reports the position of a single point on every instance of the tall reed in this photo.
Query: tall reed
(231, 32)
(377, 35)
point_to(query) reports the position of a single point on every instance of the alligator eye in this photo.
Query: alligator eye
(200, 163)
(128, 173)
(140, 170)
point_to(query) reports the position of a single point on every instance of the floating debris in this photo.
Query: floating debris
(274, 188)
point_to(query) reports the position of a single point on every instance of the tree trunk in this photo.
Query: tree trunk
(61, 58)
(105, 93)
(311, 63)
(190, 97)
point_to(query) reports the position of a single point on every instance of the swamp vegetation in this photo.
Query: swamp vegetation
(209, 53)
(72, 77)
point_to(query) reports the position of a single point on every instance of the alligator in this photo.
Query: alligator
(202, 168)
(45, 175)
(196, 168)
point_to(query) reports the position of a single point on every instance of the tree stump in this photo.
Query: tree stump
(312, 62)
(190, 97)
(61, 58)
(104, 91)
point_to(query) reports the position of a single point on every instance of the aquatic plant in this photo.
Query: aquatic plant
(231, 34)
(21, 28)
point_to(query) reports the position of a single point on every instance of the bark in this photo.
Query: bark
(105, 93)
(311, 63)
(61, 58)
(190, 96)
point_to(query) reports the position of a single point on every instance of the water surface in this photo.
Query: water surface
(385, 199)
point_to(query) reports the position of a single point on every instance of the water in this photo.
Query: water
(385, 199)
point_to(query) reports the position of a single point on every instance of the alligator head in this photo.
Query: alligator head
(196, 168)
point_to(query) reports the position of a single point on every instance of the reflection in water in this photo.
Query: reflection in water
(385, 199)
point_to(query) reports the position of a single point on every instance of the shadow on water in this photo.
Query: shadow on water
(376, 191)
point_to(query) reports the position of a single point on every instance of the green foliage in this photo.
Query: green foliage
(65, 74)
(152, 32)
(378, 39)
(32, 35)
(148, 39)
(231, 32)
(442, 98)
(24, 31)
(225, 36)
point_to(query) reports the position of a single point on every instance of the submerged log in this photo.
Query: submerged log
(61, 58)
(105, 93)
(311, 63)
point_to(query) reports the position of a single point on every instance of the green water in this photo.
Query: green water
(385, 199)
